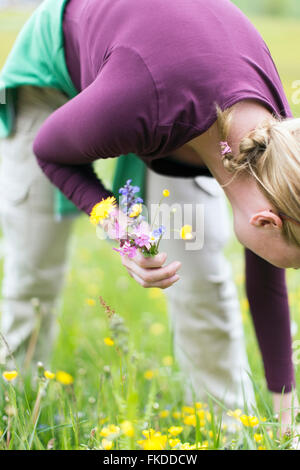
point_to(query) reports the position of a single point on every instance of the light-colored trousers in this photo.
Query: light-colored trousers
(203, 306)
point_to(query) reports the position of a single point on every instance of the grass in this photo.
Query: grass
(135, 380)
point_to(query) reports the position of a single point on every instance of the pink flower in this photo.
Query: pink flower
(142, 235)
(127, 249)
(117, 231)
(143, 240)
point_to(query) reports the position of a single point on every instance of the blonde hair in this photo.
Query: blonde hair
(271, 154)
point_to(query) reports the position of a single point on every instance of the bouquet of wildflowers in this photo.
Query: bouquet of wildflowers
(127, 224)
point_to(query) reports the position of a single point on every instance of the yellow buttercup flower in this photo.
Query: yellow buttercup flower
(167, 361)
(201, 414)
(64, 378)
(127, 428)
(258, 437)
(249, 421)
(108, 341)
(154, 440)
(90, 302)
(188, 410)
(175, 430)
(9, 375)
(190, 420)
(136, 210)
(234, 413)
(102, 210)
(166, 193)
(149, 374)
(176, 414)
(110, 431)
(150, 432)
(199, 405)
(187, 446)
(49, 375)
(174, 442)
(186, 232)
(107, 444)
(164, 413)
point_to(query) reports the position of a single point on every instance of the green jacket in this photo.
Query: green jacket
(38, 59)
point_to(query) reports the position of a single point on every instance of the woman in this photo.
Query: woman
(150, 75)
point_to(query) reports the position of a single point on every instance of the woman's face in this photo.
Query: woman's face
(262, 234)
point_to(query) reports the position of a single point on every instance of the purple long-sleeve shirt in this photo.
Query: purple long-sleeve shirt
(149, 73)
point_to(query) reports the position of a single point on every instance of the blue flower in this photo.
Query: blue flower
(157, 233)
(129, 199)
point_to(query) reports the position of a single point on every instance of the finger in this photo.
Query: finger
(154, 274)
(151, 262)
(164, 284)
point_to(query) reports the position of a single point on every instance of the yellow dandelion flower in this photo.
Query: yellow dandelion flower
(9, 375)
(186, 232)
(176, 415)
(164, 413)
(102, 210)
(127, 428)
(108, 341)
(149, 374)
(64, 378)
(167, 361)
(107, 444)
(174, 442)
(136, 210)
(49, 375)
(166, 193)
(249, 421)
(90, 302)
(175, 430)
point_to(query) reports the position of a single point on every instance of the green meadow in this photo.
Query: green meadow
(115, 393)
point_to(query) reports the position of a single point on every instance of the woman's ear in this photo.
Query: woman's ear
(266, 218)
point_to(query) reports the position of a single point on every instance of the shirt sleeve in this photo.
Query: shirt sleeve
(116, 114)
(268, 300)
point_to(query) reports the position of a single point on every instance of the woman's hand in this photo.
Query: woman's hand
(150, 272)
